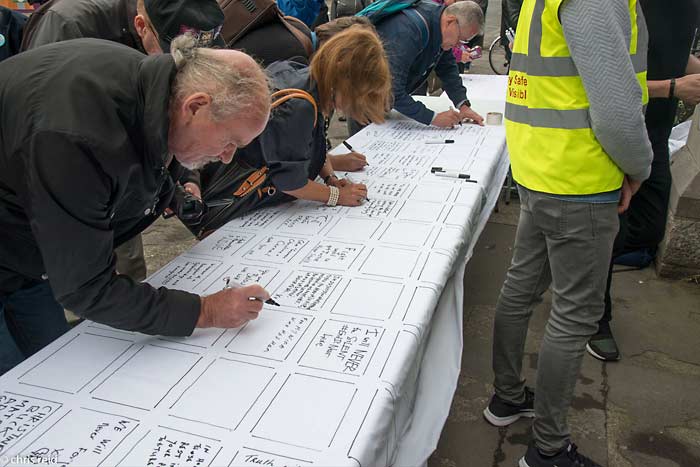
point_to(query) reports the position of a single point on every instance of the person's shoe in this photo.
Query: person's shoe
(568, 457)
(603, 346)
(502, 413)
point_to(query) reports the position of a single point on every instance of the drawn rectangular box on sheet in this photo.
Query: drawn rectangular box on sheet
(83, 357)
(407, 233)
(306, 412)
(419, 161)
(450, 238)
(460, 215)
(307, 290)
(390, 262)
(432, 193)
(471, 194)
(420, 309)
(139, 383)
(274, 335)
(80, 438)
(368, 298)
(384, 188)
(202, 338)
(353, 228)
(342, 347)
(437, 268)
(20, 415)
(332, 255)
(305, 223)
(185, 273)
(314, 207)
(374, 208)
(223, 380)
(393, 173)
(245, 275)
(221, 244)
(247, 456)
(166, 447)
(276, 249)
(420, 211)
(255, 220)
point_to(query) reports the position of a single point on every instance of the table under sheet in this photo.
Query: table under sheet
(341, 373)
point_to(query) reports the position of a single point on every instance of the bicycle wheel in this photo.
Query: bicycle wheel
(497, 57)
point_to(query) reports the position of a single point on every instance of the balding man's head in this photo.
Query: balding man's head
(220, 100)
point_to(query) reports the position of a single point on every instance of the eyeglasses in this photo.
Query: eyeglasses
(465, 42)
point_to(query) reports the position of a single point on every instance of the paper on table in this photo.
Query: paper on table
(273, 336)
(326, 377)
(287, 418)
(215, 385)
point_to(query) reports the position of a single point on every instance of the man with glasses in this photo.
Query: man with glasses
(145, 25)
(419, 40)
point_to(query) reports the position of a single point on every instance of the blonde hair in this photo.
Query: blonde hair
(243, 88)
(353, 64)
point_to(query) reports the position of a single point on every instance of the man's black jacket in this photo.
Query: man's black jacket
(83, 168)
(60, 20)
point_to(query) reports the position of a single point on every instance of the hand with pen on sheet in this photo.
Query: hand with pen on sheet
(233, 307)
(350, 162)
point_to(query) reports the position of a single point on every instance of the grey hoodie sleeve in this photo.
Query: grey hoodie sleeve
(598, 35)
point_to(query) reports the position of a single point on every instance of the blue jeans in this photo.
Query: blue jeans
(30, 319)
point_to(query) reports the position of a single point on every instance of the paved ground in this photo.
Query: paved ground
(643, 411)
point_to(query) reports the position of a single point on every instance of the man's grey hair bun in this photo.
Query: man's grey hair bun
(183, 49)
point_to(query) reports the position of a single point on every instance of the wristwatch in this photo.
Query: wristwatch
(328, 177)
(672, 89)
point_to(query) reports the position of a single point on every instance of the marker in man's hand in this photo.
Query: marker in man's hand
(235, 285)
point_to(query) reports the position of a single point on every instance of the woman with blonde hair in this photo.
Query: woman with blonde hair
(350, 74)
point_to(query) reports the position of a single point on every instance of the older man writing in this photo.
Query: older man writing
(88, 155)
(419, 40)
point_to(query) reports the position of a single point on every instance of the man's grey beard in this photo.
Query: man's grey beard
(199, 164)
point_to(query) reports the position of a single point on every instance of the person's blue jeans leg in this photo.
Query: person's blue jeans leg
(32, 319)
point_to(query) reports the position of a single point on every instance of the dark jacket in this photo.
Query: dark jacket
(11, 26)
(510, 13)
(60, 20)
(272, 42)
(83, 156)
(290, 146)
(411, 60)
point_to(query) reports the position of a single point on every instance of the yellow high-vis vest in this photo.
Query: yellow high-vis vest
(548, 128)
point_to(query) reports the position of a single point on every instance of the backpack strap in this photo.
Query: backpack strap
(283, 95)
(422, 24)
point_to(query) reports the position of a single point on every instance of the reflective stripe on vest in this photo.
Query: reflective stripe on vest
(552, 146)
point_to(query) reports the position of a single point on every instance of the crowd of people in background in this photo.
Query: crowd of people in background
(115, 112)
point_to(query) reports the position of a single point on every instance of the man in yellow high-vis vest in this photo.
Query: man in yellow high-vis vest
(579, 151)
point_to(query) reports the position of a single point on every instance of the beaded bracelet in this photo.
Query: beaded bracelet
(333, 196)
